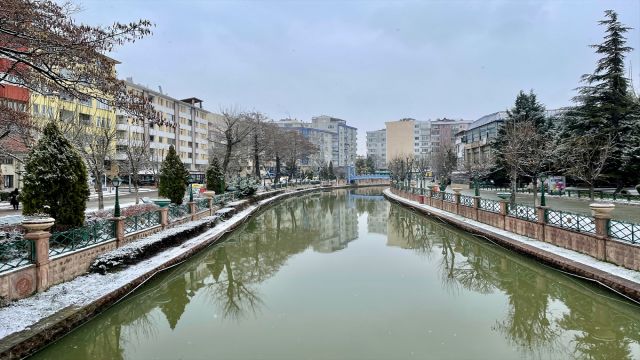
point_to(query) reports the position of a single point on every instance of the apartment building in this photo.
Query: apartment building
(186, 127)
(344, 143)
(377, 147)
(17, 99)
(336, 141)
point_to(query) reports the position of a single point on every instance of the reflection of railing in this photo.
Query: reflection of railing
(625, 231)
(70, 240)
(571, 221)
(524, 212)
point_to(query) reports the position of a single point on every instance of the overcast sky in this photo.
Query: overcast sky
(365, 61)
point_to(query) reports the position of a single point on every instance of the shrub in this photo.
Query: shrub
(174, 177)
(56, 181)
(245, 186)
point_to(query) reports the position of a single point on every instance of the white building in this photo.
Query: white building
(377, 147)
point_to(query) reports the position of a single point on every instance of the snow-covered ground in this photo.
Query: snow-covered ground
(619, 271)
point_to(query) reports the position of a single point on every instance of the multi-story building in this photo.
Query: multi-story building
(12, 98)
(421, 138)
(344, 143)
(377, 147)
(336, 141)
(186, 127)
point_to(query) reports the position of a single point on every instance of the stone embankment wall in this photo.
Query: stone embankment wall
(598, 245)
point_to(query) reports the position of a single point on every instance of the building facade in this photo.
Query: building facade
(377, 148)
(186, 127)
(336, 141)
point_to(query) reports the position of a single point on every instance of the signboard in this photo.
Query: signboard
(556, 184)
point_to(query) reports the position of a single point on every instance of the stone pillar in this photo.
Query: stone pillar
(504, 205)
(192, 209)
(457, 198)
(476, 207)
(210, 204)
(164, 216)
(118, 226)
(41, 245)
(601, 216)
(541, 213)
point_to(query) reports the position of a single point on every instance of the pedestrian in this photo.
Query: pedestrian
(15, 199)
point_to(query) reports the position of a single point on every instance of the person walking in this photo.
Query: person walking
(15, 201)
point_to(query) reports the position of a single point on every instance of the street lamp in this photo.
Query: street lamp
(191, 180)
(543, 202)
(116, 181)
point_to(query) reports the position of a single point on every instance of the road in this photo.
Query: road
(92, 204)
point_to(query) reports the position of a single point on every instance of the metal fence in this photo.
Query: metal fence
(624, 231)
(176, 212)
(490, 205)
(524, 212)
(571, 221)
(449, 197)
(70, 240)
(202, 204)
(466, 200)
(141, 221)
(15, 253)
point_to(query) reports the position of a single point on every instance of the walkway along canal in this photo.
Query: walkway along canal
(346, 274)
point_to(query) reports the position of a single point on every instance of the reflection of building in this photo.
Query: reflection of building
(337, 224)
(378, 217)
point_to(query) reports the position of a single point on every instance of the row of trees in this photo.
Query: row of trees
(596, 139)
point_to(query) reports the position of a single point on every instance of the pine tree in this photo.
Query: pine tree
(56, 180)
(174, 177)
(330, 171)
(215, 177)
(604, 105)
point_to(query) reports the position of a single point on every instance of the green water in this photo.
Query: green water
(347, 275)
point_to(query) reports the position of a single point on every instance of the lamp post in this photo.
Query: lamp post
(543, 201)
(191, 188)
(116, 209)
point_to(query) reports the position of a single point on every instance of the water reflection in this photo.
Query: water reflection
(581, 314)
(545, 314)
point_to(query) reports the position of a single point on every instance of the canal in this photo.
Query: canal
(348, 275)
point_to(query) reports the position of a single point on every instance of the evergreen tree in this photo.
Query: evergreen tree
(330, 173)
(605, 106)
(370, 165)
(215, 177)
(526, 109)
(174, 177)
(56, 180)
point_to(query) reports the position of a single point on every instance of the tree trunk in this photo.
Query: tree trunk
(514, 185)
(277, 180)
(591, 187)
(98, 188)
(227, 156)
(256, 156)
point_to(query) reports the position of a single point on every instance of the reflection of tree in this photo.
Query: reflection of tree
(480, 267)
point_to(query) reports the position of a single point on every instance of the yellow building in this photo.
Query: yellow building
(400, 138)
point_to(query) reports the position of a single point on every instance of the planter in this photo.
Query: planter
(456, 190)
(38, 224)
(504, 195)
(602, 210)
(162, 202)
(209, 193)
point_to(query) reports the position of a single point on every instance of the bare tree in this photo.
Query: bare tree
(138, 157)
(228, 135)
(259, 132)
(422, 165)
(295, 149)
(478, 168)
(445, 162)
(401, 167)
(45, 50)
(540, 152)
(514, 150)
(586, 156)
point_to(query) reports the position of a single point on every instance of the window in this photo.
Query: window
(6, 160)
(85, 119)
(8, 181)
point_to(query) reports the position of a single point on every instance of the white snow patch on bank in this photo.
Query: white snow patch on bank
(619, 271)
(83, 290)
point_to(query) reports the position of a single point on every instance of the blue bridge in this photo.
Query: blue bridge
(352, 177)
